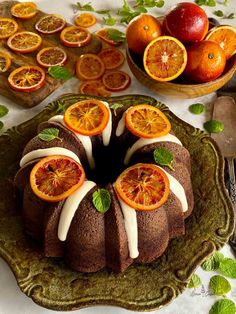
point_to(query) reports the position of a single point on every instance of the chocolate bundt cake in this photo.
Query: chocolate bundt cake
(73, 228)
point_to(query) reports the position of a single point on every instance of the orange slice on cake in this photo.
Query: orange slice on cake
(7, 27)
(143, 186)
(85, 20)
(24, 10)
(54, 178)
(24, 42)
(5, 62)
(147, 121)
(50, 24)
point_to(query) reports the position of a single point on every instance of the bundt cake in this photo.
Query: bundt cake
(123, 151)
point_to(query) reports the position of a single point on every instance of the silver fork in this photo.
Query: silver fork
(232, 194)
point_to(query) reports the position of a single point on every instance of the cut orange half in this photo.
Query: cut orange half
(143, 186)
(54, 178)
(165, 58)
(5, 62)
(50, 24)
(24, 10)
(225, 36)
(89, 67)
(116, 81)
(85, 20)
(94, 88)
(24, 42)
(87, 117)
(75, 36)
(112, 58)
(51, 56)
(7, 27)
(27, 79)
(147, 121)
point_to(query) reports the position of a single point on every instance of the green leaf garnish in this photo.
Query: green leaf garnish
(226, 2)
(102, 200)
(221, 14)
(1, 125)
(3, 111)
(163, 157)
(103, 11)
(85, 7)
(49, 134)
(197, 108)
(127, 14)
(61, 107)
(230, 16)
(218, 13)
(150, 3)
(116, 106)
(213, 126)
(213, 262)
(59, 72)
(109, 20)
(195, 281)
(219, 285)
(116, 35)
(210, 3)
(224, 306)
(228, 267)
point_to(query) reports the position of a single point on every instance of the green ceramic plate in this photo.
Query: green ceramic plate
(52, 285)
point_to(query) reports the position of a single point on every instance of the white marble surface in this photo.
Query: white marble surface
(12, 300)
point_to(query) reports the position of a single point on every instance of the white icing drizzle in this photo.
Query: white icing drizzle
(146, 141)
(131, 227)
(70, 206)
(106, 134)
(44, 152)
(121, 125)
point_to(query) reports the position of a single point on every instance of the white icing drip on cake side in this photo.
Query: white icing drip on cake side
(106, 134)
(121, 124)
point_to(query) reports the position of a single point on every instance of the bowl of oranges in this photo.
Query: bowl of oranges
(181, 54)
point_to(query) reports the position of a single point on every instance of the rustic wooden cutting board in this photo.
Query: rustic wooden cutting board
(34, 98)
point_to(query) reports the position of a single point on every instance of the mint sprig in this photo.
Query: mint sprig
(102, 200)
(224, 306)
(61, 107)
(210, 3)
(116, 35)
(49, 134)
(86, 7)
(163, 157)
(195, 281)
(213, 126)
(220, 13)
(197, 108)
(227, 267)
(109, 20)
(213, 262)
(3, 111)
(219, 285)
(59, 72)
(116, 106)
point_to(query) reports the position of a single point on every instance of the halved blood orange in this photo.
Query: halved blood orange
(116, 81)
(112, 58)
(103, 34)
(5, 61)
(50, 24)
(24, 10)
(75, 36)
(27, 79)
(143, 186)
(89, 67)
(85, 20)
(225, 36)
(51, 56)
(24, 42)
(54, 178)
(94, 88)
(87, 117)
(7, 27)
(165, 58)
(147, 121)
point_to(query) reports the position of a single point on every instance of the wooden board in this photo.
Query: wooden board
(34, 98)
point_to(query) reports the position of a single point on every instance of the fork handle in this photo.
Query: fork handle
(232, 194)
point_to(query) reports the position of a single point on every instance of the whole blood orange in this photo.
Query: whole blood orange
(141, 31)
(206, 61)
(187, 22)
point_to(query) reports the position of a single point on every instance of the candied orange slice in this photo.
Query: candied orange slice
(112, 58)
(24, 10)
(85, 20)
(87, 117)
(103, 34)
(147, 121)
(116, 81)
(24, 42)
(7, 27)
(89, 67)
(143, 186)
(5, 61)
(51, 56)
(50, 24)
(54, 178)
(94, 88)
(75, 36)
(165, 58)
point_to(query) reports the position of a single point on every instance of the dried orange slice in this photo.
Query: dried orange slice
(143, 186)
(89, 67)
(225, 36)
(85, 20)
(112, 58)
(54, 178)
(7, 27)
(103, 34)
(27, 79)
(24, 10)
(165, 58)
(50, 24)
(147, 121)
(116, 81)
(51, 56)
(24, 42)
(5, 62)
(87, 117)
(75, 36)
(94, 88)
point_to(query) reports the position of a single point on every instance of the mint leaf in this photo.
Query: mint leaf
(116, 106)
(59, 72)
(160, 3)
(61, 107)
(213, 126)
(197, 108)
(116, 35)
(3, 111)
(224, 306)
(211, 3)
(228, 267)
(49, 134)
(1, 125)
(109, 20)
(194, 282)
(230, 16)
(200, 2)
(163, 157)
(85, 7)
(218, 13)
(102, 200)
(213, 262)
(103, 11)
(219, 285)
